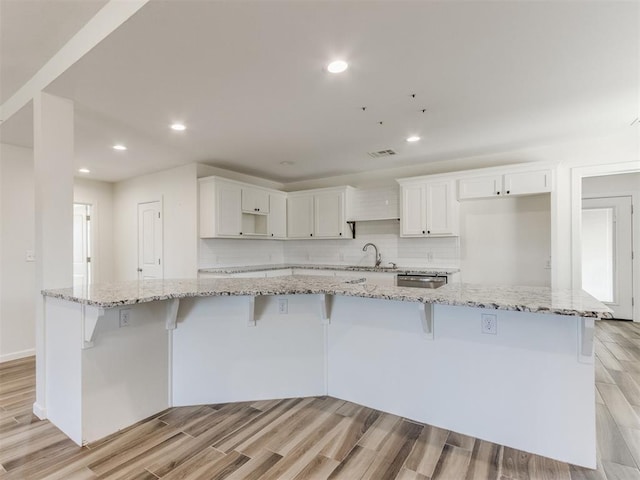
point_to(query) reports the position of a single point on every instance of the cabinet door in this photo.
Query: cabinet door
(228, 209)
(329, 215)
(277, 215)
(412, 211)
(441, 208)
(480, 187)
(255, 200)
(300, 216)
(527, 183)
(207, 209)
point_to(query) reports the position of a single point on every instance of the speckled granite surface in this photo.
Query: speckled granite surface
(530, 299)
(346, 268)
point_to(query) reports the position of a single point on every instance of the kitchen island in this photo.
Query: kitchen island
(115, 354)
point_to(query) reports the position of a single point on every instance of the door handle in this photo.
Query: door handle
(139, 270)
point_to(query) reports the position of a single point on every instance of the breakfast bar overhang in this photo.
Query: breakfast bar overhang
(116, 354)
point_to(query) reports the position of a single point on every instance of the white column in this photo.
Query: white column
(53, 181)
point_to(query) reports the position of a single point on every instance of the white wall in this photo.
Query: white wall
(626, 184)
(17, 235)
(613, 149)
(100, 196)
(177, 188)
(506, 241)
(416, 252)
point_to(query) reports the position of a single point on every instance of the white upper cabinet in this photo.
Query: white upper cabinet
(527, 183)
(428, 209)
(300, 216)
(329, 214)
(479, 187)
(514, 183)
(413, 217)
(278, 215)
(442, 208)
(233, 209)
(220, 208)
(320, 213)
(255, 200)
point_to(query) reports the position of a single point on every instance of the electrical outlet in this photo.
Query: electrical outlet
(489, 323)
(125, 317)
(283, 306)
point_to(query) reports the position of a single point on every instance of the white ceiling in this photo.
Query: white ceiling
(32, 31)
(247, 78)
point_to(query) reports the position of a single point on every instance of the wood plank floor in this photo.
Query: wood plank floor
(314, 438)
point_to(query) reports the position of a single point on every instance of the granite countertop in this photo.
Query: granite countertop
(346, 268)
(530, 299)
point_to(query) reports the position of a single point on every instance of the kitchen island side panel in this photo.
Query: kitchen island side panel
(63, 367)
(523, 387)
(219, 357)
(125, 375)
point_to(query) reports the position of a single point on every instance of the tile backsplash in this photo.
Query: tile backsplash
(414, 252)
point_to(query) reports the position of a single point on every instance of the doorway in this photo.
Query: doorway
(607, 246)
(82, 271)
(150, 241)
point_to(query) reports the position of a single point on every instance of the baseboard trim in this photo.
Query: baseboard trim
(7, 357)
(39, 411)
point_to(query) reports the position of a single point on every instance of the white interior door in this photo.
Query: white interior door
(607, 239)
(149, 241)
(81, 244)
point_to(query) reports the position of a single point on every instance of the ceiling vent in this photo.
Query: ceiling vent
(382, 153)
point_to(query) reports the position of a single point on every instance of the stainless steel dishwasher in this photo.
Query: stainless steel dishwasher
(421, 281)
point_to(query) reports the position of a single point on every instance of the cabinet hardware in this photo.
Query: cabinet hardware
(311, 234)
(240, 233)
(340, 233)
(497, 193)
(508, 192)
(139, 270)
(272, 234)
(423, 231)
(429, 231)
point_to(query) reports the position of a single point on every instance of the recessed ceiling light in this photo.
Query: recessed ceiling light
(286, 162)
(119, 147)
(178, 127)
(84, 170)
(337, 66)
(413, 138)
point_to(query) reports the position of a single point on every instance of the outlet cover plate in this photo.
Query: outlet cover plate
(489, 323)
(125, 317)
(283, 306)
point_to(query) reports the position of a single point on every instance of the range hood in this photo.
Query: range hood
(373, 204)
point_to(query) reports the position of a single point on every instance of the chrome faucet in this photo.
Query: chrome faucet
(378, 256)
